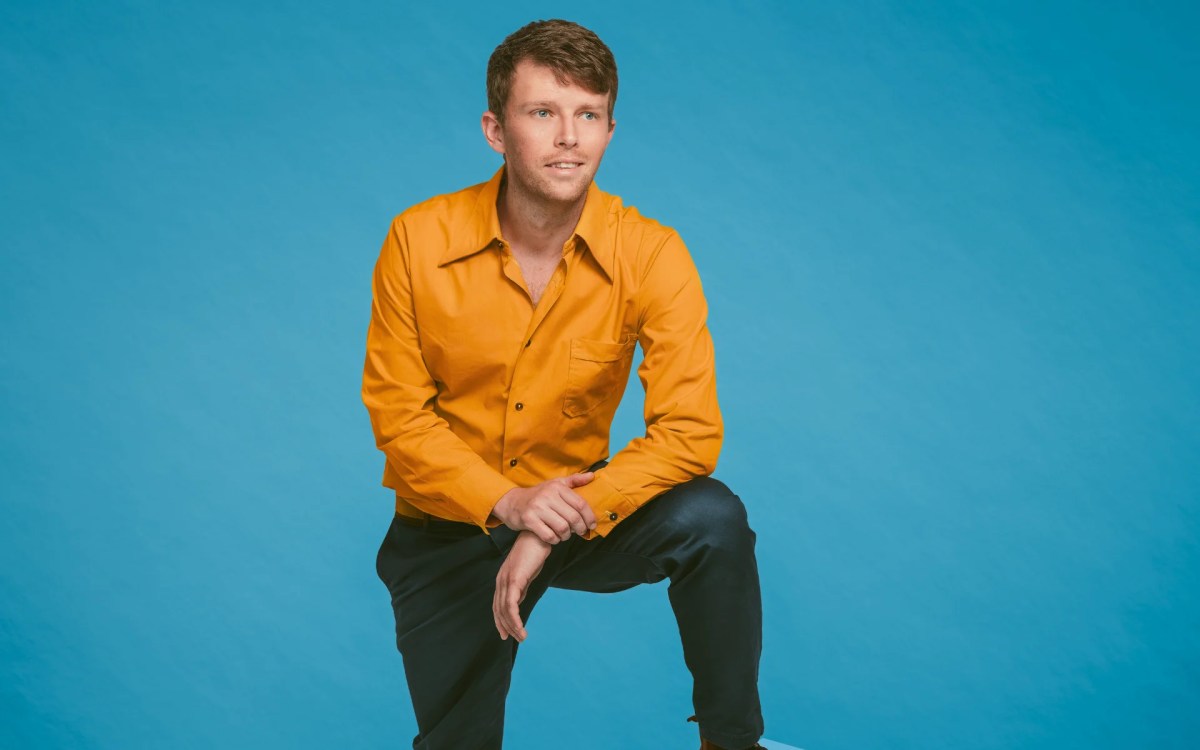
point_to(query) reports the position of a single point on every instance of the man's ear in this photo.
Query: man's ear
(493, 131)
(612, 125)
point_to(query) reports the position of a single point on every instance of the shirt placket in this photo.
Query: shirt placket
(524, 373)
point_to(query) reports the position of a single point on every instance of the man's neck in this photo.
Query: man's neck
(533, 226)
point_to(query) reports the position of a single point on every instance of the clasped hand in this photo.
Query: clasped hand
(551, 510)
(545, 514)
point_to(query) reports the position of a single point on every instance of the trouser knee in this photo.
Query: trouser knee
(706, 512)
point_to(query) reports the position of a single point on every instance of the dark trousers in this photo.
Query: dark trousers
(442, 576)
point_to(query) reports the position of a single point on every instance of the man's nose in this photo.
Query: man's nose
(567, 137)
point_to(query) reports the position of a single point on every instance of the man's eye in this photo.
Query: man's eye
(541, 113)
(590, 115)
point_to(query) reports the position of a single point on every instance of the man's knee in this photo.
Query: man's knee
(704, 509)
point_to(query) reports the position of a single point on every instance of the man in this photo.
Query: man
(503, 325)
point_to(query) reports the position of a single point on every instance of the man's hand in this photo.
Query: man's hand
(551, 510)
(524, 562)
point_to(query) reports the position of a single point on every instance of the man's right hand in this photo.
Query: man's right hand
(551, 510)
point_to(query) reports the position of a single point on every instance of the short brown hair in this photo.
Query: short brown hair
(575, 54)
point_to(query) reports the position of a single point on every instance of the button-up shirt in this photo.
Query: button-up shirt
(472, 389)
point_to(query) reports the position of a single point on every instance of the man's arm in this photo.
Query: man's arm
(684, 428)
(524, 561)
(399, 394)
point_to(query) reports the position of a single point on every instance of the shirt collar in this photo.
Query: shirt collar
(484, 226)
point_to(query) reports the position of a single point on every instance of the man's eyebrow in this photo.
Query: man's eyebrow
(587, 105)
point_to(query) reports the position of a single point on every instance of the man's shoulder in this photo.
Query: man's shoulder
(629, 222)
(444, 206)
(643, 243)
(424, 232)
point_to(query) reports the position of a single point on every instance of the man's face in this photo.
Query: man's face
(553, 134)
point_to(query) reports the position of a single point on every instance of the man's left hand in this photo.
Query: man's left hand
(524, 562)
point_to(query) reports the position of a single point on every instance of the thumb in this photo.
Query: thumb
(582, 477)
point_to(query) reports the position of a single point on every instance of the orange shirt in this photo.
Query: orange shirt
(473, 390)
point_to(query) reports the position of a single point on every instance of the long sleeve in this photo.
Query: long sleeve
(399, 393)
(684, 429)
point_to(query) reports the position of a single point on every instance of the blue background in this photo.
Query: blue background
(952, 255)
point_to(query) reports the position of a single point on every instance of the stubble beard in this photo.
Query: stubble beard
(542, 188)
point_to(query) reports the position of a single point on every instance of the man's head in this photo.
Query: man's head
(575, 54)
(551, 90)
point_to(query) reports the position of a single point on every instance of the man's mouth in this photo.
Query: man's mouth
(565, 166)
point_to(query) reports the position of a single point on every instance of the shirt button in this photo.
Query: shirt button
(612, 515)
(512, 462)
(520, 406)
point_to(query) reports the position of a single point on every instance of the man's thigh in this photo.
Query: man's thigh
(457, 667)
(656, 541)
(435, 577)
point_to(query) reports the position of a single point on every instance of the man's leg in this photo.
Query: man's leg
(697, 535)
(441, 579)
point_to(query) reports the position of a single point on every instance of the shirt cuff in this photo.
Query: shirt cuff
(607, 502)
(478, 490)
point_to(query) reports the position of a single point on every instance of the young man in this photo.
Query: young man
(503, 325)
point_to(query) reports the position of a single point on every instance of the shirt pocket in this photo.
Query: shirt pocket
(597, 370)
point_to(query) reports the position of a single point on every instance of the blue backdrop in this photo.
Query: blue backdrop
(952, 255)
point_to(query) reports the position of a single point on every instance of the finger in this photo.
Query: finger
(574, 518)
(574, 521)
(580, 479)
(496, 611)
(519, 633)
(509, 615)
(500, 608)
(545, 533)
(560, 525)
(578, 523)
(552, 516)
(581, 505)
(512, 614)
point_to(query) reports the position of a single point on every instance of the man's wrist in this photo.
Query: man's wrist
(532, 538)
(501, 506)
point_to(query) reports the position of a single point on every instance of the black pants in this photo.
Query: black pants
(442, 576)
